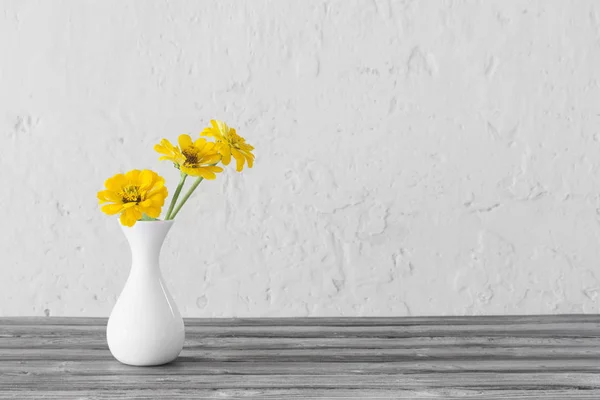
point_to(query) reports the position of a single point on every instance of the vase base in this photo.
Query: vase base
(145, 364)
(148, 361)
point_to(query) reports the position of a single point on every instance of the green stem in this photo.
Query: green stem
(175, 196)
(187, 196)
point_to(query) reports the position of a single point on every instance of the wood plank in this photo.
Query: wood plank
(308, 393)
(468, 380)
(330, 321)
(194, 366)
(563, 330)
(440, 354)
(97, 340)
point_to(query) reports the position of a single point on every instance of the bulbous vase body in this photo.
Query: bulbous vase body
(145, 327)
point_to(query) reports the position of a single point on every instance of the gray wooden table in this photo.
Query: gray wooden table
(533, 357)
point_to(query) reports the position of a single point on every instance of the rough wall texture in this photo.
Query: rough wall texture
(413, 157)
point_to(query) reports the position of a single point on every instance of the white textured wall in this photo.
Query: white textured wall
(412, 157)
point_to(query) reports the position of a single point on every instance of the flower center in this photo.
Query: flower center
(131, 194)
(232, 140)
(191, 157)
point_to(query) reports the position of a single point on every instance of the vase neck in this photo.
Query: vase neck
(145, 241)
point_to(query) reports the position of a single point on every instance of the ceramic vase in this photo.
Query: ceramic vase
(145, 327)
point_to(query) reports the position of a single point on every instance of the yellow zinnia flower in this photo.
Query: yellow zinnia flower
(134, 194)
(229, 143)
(192, 158)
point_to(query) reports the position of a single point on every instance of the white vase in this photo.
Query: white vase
(145, 327)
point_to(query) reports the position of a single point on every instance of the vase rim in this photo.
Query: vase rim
(169, 222)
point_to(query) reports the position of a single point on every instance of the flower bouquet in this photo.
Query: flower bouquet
(145, 327)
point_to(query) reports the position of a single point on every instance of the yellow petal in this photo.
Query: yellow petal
(209, 147)
(214, 168)
(145, 203)
(157, 191)
(164, 151)
(189, 171)
(161, 149)
(220, 126)
(146, 179)
(245, 146)
(156, 201)
(211, 158)
(185, 141)
(127, 220)
(167, 144)
(239, 159)
(131, 215)
(153, 212)
(133, 176)
(207, 132)
(169, 151)
(158, 185)
(115, 183)
(225, 151)
(206, 174)
(200, 143)
(112, 209)
(107, 195)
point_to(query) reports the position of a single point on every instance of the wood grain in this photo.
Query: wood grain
(516, 357)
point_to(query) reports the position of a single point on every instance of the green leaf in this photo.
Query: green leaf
(147, 218)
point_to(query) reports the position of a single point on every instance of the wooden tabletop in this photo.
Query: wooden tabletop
(509, 357)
